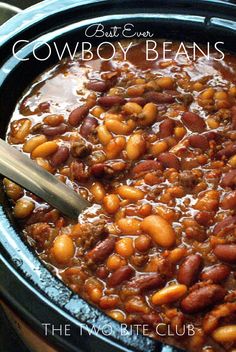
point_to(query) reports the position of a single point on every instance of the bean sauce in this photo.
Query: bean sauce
(152, 145)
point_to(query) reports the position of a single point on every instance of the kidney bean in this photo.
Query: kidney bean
(193, 122)
(98, 86)
(229, 201)
(212, 136)
(204, 217)
(98, 170)
(61, 155)
(120, 275)
(226, 224)
(110, 100)
(229, 179)
(102, 250)
(167, 128)
(151, 319)
(169, 160)
(53, 131)
(89, 124)
(227, 152)
(216, 273)
(147, 281)
(226, 253)
(198, 141)
(202, 298)
(146, 166)
(189, 270)
(77, 115)
(44, 106)
(156, 97)
(138, 100)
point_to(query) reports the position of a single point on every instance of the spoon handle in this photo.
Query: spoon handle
(21, 169)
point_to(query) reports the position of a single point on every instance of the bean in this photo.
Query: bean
(216, 273)
(44, 163)
(98, 191)
(199, 141)
(149, 114)
(132, 108)
(53, 120)
(53, 131)
(77, 115)
(117, 315)
(63, 249)
(169, 160)
(108, 302)
(169, 294)
(13, 191)
(44, 106)
(115, 147)
(135, 146)
(138, 100)
(111, 203)
(160, 230)
(143, 243)
(159, 147)
(131, 193)
(193, 122)
(167, 128)
(159, 98)
(165, 82)
(120, 275)
(189, 270)
(147, 282)
(229, 179)
(232, 161)
(44, 150)
(225, 334)
(202, 298)
(124, 247)
(23, 208)
(226, 252)
(119, 127)
(61, 155)
(204, 218)
(109, 101)
(146, 166)
(34, 142)
(115, 261)
(88, 126)
(98, 170)
(23, 127)
(104, 135)
(227, 151)
(98, 86)
(225, 225)
(129, 226)
(208, 202)
(229, 201)
(99, 253)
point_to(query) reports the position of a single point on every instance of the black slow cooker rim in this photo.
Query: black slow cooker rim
(15, 287)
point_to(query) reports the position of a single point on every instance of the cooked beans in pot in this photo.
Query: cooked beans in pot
(152, 145)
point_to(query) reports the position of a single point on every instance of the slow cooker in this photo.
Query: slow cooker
(32, 297)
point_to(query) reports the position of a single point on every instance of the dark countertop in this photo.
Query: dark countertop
(9, 340)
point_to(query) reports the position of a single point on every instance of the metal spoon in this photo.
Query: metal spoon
(19, 168)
